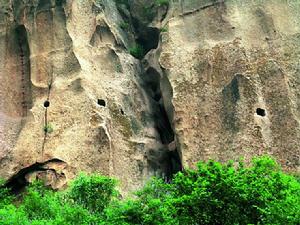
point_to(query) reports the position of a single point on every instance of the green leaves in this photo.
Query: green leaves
(5, 197)
(214, 193)
(218, 193)
(162, 2)
(137, 51)
(40, 205)
(92, 192)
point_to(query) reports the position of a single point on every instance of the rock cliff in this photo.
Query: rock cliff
(138, 88)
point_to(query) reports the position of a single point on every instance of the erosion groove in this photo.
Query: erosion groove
(167, 160)
(47, 126)
(24, 64)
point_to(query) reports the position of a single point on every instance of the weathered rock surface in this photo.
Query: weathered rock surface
(73, 55)
(218, 79)
(234, 69)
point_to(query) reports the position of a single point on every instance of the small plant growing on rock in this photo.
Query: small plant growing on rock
(48, 128)
(92, 192)
(162, 2)
(124, 26)
(137, 51)
(164, 29)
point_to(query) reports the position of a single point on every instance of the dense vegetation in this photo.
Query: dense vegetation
(214, 193)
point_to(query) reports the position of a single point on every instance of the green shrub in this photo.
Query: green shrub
(118, 68)
(222, 194)
(92, 192)
(164, 29)
(162, 2)
(214, 193)
(137, 51)
(5, 197)
(124, 26)
(11, 215)
(43, 206)
(48, 128)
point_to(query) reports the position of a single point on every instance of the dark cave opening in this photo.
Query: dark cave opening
(175, 164)
(167, 136)
(60, 3)
(46, 104)
(17, 183)
(261, 112)
(148, 38)
(101, 102)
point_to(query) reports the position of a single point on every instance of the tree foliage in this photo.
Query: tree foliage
(213, 193)
(92, 192)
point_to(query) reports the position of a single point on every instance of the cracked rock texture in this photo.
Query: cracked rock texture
(223, 82)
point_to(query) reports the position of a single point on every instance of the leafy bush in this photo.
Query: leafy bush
(43, 206)
(214, 193)
(125, 26)
(137, 51)
(5, 197)
(162, 2)
(11, 215)
(92, 192)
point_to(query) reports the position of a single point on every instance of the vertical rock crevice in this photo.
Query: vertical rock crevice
(23, 53)
(165, 161)
(159, 93)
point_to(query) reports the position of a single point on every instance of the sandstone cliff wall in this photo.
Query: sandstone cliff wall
(215, 79)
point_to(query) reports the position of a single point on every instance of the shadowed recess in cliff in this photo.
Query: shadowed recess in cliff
(148, 38)
(23, 57)
(44, 5)
(151, 79)
(261, 112)
(102, 36)
(20, 180)
(166, 160)
(230, 98)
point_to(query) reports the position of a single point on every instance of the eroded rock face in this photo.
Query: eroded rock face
(234, 69)
(72, 54)
(216, 79)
